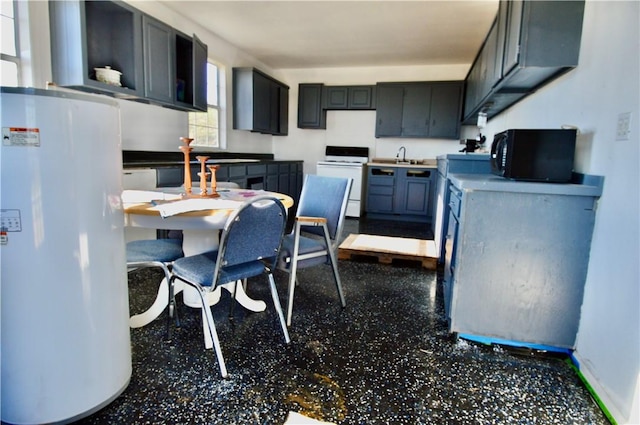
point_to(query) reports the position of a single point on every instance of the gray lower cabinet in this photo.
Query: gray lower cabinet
(276, 176)
(419, 109)
(516, 258)
(381, 187)
(400, 193)
(413, 196)
(475, 163)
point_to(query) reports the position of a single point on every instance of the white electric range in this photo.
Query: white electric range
(346, 162)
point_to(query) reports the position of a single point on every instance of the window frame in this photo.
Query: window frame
(4, 57)
(218, 107)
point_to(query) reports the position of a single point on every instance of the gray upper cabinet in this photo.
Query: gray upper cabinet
(419, 109)
(260, 103)
(191, 72)
(389, 110)
(314, 99)
(159, 60)
(531, 43)
(310, 112)
(88, 35)
(349, 97)
(446, 102)
(158, 65)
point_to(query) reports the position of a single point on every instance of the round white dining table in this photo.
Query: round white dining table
(200, 220)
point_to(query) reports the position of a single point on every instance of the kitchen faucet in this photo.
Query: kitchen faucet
(404, 154)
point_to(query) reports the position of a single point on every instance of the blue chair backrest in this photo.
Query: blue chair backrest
(324, 197)
(253, 232)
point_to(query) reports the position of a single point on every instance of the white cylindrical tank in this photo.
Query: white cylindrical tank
(66, 348)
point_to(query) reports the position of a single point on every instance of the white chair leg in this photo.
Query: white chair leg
(292, 288)
(292, 271)
(334, 266)
(278, 307)
(172, 307)
(213, 334)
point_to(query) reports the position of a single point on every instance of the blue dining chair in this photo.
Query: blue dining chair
(159, 253)
(317, 230)
(249, 246)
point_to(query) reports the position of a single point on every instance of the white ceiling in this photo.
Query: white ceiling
(319, 34)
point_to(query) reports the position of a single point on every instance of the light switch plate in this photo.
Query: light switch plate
(624, 126)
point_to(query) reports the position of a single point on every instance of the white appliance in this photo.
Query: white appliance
(66, 349)
(139, 179)
(346, 161)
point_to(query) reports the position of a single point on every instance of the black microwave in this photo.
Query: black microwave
(534, 155)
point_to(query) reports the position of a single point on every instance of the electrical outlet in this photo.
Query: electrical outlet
(623, 127)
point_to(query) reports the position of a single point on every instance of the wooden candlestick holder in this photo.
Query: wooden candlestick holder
(186, 149)
(214, 182)
(203, 179)
(203, 175)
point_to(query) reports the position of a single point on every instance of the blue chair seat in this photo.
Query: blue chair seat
(159, 253)
(161, 250)
(200, 268)
(305, 246)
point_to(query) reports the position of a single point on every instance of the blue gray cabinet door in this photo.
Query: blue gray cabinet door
(158, 46)
(389, 110)
(310, 112)
(445, 110)
(191, 72)
(416, 110)
(412, 195)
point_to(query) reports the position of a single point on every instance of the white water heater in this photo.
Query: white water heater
(65, 349)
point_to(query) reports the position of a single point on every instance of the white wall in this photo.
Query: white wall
(590, 97)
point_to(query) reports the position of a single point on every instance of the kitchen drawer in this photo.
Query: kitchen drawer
(170, 177)
(455, 201)
(419, 174)
(386, 172)
(380, 190)
(237, 171)
(256, 170)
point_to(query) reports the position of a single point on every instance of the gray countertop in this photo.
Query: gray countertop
(465, 156)
(589, 185)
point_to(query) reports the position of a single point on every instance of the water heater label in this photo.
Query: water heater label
(19, 136)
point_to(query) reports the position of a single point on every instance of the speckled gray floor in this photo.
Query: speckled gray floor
(385, 359)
